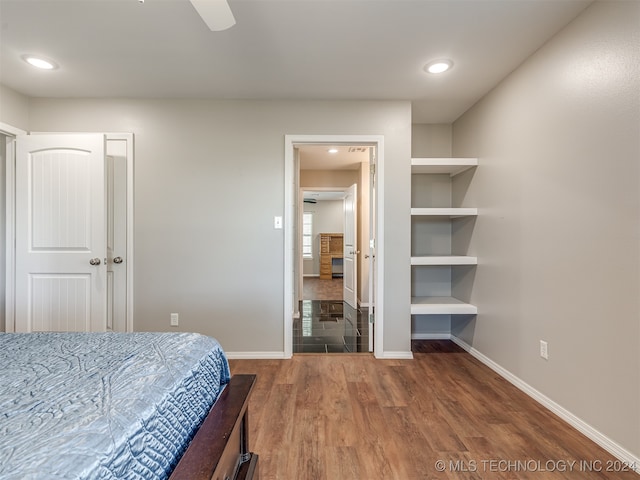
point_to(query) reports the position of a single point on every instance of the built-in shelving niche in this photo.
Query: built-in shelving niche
(442, 271)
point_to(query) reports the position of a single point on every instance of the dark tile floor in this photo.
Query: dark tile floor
(330, 326)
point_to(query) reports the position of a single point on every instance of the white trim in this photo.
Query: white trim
(10, 130)
(396, 356)
(311, 275)
(289, 203)
(430, 336)
(583, 427)
(290, 141)
(10, 244)
(256, 355)
(324, 189)
(378, 347)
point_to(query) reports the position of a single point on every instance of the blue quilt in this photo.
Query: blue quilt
(103, 405)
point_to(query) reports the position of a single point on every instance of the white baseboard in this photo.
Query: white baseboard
(430, 336)
(311, 275)
(396, 355)
(583, 427)
(255, 355)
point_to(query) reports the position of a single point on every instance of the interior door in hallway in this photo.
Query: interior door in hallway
(60, 254)
(350, 252)
(117, 259)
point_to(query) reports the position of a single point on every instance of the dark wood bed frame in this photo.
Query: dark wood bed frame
(220, 448)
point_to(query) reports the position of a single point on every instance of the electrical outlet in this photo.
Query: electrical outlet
(174, 320)
(544, 349)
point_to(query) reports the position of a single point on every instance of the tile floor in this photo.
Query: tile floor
(330, 326)
(326, 323)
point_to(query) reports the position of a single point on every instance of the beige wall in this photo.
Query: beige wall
(328, 178)
(209, 178)
(431, 140)
(14, 108)
(558, 193)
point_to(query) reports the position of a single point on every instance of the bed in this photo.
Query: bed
(121, 406)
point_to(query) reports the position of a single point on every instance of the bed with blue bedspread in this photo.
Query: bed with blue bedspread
(112, 405)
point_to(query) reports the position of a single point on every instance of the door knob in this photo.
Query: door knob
(94, 261)
(117, 260)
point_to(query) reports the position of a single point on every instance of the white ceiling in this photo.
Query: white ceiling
(347, 157)
(323, 196)
(279, 49)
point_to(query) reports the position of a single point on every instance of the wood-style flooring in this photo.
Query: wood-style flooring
(314, 288)
(442, 415)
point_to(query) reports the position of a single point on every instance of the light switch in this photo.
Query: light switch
(277, 222)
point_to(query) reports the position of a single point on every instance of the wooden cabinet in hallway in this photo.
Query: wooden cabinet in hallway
(331, 249)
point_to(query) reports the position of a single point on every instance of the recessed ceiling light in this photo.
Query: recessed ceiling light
(333, 150)
(40, 62)
(438, 66)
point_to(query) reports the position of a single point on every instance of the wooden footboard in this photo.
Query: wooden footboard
(220, 448)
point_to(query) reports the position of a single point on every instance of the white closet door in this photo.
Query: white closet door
(60, 233)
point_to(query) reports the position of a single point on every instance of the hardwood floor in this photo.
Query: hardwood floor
(314, 288)
(354, 417)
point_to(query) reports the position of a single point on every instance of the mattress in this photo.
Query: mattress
(103, 405)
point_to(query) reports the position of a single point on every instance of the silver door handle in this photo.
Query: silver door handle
(117, 260)
(94, 261)
(366, 255)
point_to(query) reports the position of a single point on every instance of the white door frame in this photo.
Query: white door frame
(10, 210)
(290, 203)
(10, 131)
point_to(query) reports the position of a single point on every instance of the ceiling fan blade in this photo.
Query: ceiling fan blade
(215, 13)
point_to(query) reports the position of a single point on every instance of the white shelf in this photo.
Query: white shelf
(444, 260)
(445, 212)
(451, 166)
(432, 305)
(441, 306)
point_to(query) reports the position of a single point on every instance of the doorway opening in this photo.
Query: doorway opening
(334, 313)
(333, 227)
